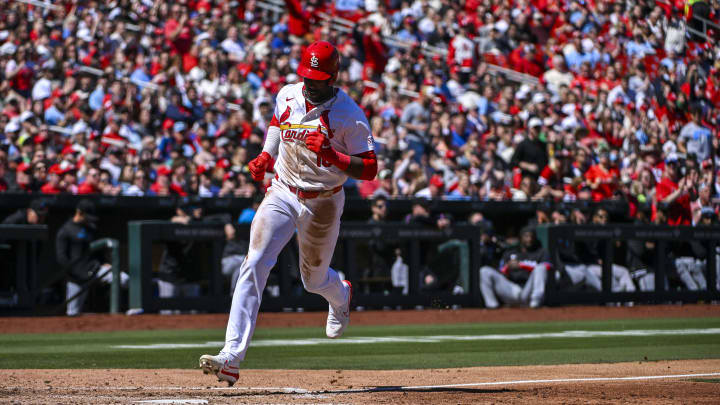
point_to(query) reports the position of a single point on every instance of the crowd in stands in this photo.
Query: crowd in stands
(532, 100)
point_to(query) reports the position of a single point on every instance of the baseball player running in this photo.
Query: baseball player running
(318, 136)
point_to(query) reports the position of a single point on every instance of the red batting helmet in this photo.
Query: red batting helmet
(320, 61)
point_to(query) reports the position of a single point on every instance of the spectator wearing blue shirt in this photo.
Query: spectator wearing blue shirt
(141, 75)
(54, 115)
(694, 137)
(280, 41)
(175, 110)
(639, 47)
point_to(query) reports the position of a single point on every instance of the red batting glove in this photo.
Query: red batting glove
(317, 142)
(259, 165)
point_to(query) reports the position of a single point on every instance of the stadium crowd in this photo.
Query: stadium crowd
(598, 100)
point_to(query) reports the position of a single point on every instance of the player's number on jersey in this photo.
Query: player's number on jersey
(322, 162)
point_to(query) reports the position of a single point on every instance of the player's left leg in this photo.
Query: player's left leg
(533, 291)
(272, 227)
(698, 273)
(75, 305)
(318, 230)
(579, 273)
(622, 279)
(496, 288)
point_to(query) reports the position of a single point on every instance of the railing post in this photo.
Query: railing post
(114, 247)
(415, 264)
(711, 266)
(607, 276)
(660, 272)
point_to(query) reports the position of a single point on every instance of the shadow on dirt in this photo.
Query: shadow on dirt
(369, 390)
(393, 388)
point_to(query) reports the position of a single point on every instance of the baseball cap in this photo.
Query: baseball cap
(87, 207)
(179, 126)
(40, 207)
(229, 175)
(23, 167)
(12, 126)
(568, 109)
(67, 167)
(55, 169)
(535, 122)
(671, 158)
(25, 115)
(163, 171)
(222, 141)
(384, 174)
(707, 212)
(222, 163)
(437, 181)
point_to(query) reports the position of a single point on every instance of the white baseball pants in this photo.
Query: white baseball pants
(692, 273)
(75, 306)
(281, 212)
(621, 280)
(579, 273)
(494, 285)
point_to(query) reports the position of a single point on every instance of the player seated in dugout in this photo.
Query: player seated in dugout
(442, 272)
(522, 275)
(181, 262)
(571, 274)
(590, 253)
(685, 263)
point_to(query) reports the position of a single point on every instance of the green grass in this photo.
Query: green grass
(94, 350)
(706, 380)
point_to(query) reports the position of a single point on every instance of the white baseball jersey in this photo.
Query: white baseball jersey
(341, 120)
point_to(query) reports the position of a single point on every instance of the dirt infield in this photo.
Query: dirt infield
(468, 385)
(683, 381)
(104, 322)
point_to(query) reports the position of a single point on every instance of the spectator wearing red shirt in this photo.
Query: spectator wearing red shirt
(178, 31)
(23, 176)
(90, 185)
(3, 182)
(375, 53)
(299, 19)
(21, 78)
(53, 181)
(674, 194)
(603, 178)
(462, 51)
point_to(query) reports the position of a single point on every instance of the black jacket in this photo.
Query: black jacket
(17, 218)
(527, 260)
(72, 250)
(533, 151)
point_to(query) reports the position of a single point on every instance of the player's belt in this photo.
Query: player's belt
(306, 194)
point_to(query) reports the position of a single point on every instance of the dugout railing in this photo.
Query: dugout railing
(20, 247)
(148, 240)
(614, 236)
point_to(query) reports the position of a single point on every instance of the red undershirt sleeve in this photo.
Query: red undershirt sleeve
(369, 165)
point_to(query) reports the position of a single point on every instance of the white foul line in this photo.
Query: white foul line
(437, 339)
(559, 380)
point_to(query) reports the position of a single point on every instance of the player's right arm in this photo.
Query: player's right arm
(61, 248)
(259, 165)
